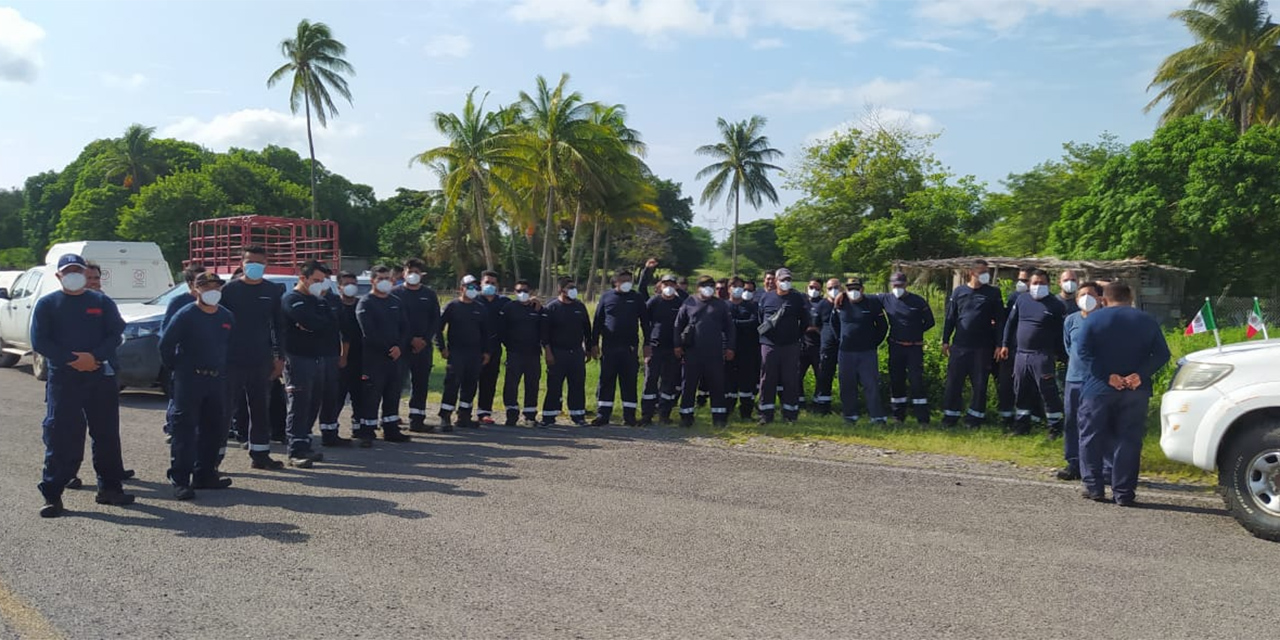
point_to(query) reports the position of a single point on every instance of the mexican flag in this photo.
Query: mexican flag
(1203, 321)
(1255, 321)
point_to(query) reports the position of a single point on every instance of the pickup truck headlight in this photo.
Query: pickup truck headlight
(135, 330)
(1194, 376)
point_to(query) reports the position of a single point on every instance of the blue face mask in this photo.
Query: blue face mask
(254, 270)
(489, 290)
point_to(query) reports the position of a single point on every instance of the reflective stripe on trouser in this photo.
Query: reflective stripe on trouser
(306, 380)
(1006, 394)
(347, 385)
(972, 364)
(570, 369)
(75, 403)
(523, 366)
(199, 427)
(1036, 388)
(661, 379)
(828, 362)
(461, 377)
(703, 368)
(381, 390)
(906, 381)
(487, 384)
(780, 367)
(416, 370)
(860, 368)
(742, 377)
(618, 368)
(1114, 421)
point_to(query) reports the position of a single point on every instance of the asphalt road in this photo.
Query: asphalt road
(509, 533)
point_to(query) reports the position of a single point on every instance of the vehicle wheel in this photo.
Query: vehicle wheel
(8, 360)
(1250, 480)
(39, 368)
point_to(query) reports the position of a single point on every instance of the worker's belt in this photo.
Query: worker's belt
(907, 344)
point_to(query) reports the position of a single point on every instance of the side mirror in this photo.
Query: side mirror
(4, 293)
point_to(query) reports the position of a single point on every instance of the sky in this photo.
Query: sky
(1004, 82)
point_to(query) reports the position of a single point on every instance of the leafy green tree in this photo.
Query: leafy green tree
(404, 236)
(254, 189)
(684, 252)
(134, 160)
(316, 65)
(42, 203)
(741, 170)
(162, 211)
(758, 243)
(10, 218)
(92, 214)
(1230, 72)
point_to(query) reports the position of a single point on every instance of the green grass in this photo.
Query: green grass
(988, 444)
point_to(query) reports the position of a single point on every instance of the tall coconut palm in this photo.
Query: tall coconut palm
(742, 169)
(618, 148)
(482, 153)
(558, 132)
(1231, 71)
(316, 62)
(134, 160)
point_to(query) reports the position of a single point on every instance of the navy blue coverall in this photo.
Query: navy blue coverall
(742, 374)
(1034, 331)
(311, 349)
(87, 322)
(566, 332)
(710, 333)
(620, 320)
(488, 386)
(780, 352)
(383, 324)
(255, 345)
(909, 318)
(193, 345)
(828, 355)
(861, 327)
(423, 309)
(520, 325)
(348, 383)
(972, 328)
(662, 368)
(464, 333)
(178, 302)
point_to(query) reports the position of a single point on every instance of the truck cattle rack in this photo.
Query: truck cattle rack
(218, 243)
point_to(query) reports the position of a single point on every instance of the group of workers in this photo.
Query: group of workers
(726, 343)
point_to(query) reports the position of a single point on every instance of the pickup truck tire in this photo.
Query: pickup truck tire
(1250, 479)
(8, 360)
(39, 368)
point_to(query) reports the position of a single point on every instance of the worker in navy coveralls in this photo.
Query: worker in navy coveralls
(312, 347)
(348, 382)
(256, 357)
(1121, 349)
(520, 326)
(621, 318)
(423, 308)
(661, 366)
(742, 373)
(1002, 368)
(463, 340)
(176, 303)
(384, 330)
(860, 324)
(566, 343)
(1034, 331)
(785, 315)
(909, 318)
(973, 322)
(493, 304)
(704, 334)
(194, 347)
(77, 331)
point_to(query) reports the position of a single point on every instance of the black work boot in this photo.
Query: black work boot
(686, 420)
(418, 423)
(746, 408)
(465, 421)
(513, 417)
(332, 439)
(392, 433)
(629, 417)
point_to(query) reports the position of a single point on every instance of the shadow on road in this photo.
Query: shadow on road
(1182, 508)
(196, 525)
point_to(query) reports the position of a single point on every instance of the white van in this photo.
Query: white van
(131, 272)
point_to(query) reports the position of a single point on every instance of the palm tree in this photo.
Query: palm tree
(558, 131)
(315, 60)
(134, 159)
(742, 169)
(617, 147)
(482, 153)
(1233, 69)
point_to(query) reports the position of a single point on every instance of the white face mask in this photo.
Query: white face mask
(784, 286)
(413, 279)
(814, 293)
(747, 295)
(73, 281)
(669, 292)
(1021, 287)
(625, 287)
(350, 290)
(1039, 291)
(572, 293)
(984, 278)
(898, 292)
(707, 292)
(471, 294)
(522, 296)
(737, 292)
(1070, 286)
(833, 293)
(855, 295)
(383, 286)
(317, 289)
(1087, 303)
(211, 297)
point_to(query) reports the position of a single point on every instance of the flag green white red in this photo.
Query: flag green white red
(1255, 321)
(1203, 321)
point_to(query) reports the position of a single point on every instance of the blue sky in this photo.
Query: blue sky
(1006, 82)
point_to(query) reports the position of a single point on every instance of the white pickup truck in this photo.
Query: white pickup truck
(1222, 412)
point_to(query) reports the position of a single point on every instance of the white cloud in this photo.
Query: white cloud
(20, 38)
(573, 22)
(254, 129)
(131, 81)
(921, 123)
(927, 45)
(448, 46)
(765, 44)
(1003, 15)
(928, 90)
